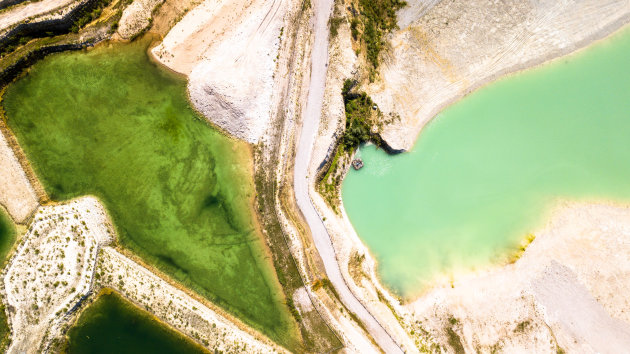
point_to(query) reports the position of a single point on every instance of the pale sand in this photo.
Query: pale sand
(178, 309)
(19, 13)
(228, 49)
(52, 270)
(446, 49)
(136, 18)
(568, 290)
(16, 192)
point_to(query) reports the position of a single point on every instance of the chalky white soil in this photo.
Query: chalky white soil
(568, 290)
(445, 49)
(52, 270)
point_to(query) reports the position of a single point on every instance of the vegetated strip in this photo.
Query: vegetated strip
(364, 122)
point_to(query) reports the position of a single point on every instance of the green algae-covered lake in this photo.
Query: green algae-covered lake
(487, 171)
(113, 325)
(110, 123)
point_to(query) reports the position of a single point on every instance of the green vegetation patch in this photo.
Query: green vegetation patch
(114, 325)
(362, 126)
(110, 123)
(373, 20)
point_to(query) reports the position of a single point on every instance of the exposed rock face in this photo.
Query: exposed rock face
(228, 49)
(567, 291)
(448, 48)
(136, 18)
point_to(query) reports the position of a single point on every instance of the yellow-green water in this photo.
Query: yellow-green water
(109, 123)
(486, 171)
(114, 325)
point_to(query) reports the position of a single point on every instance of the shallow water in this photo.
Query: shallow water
(114, 325)
(487, 171)
(110, 123)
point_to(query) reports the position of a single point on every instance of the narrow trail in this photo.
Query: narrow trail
(310, 126)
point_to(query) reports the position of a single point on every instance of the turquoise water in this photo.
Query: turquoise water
(487, 171)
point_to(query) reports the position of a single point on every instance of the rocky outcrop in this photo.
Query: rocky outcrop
(228, 49)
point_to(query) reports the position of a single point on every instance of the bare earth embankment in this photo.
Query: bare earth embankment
(446, 49)
(228, 50)
(16, 193)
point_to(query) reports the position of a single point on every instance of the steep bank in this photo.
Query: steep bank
(550, 299)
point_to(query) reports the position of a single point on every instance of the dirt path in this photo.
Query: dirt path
(312, 113)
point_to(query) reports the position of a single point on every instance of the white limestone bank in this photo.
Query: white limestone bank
(136, 18)
(568, 290)
(228, 49)
(175, 307)
(445, 49)
(17, 194)
(52, 271)
(63, 258)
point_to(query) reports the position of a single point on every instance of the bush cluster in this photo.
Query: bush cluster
(378, 17)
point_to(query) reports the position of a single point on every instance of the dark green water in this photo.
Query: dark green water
(113, 325)
(8, 236)
(487, 170)
(109, 123)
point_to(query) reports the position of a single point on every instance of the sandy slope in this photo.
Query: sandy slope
(446, 49)
(228, 50)
(16, 193)
(136, 17)
(14, 15)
